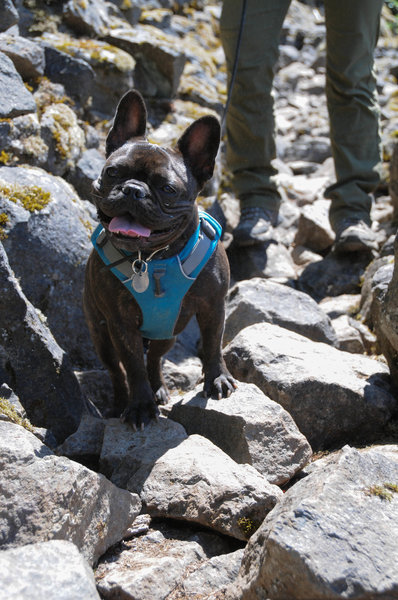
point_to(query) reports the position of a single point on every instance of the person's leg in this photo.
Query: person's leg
(250, 119)
(352, 33)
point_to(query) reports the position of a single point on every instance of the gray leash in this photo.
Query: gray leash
(235, 65)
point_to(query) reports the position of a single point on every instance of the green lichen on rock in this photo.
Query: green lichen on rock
(7, 409)
(31, 197)
(3, 222)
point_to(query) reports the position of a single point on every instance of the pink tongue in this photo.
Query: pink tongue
(129, 227)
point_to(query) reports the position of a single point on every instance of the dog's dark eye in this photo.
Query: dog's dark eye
(168, 189)
(111, 172)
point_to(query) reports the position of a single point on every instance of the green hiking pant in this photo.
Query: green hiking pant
(352, 32)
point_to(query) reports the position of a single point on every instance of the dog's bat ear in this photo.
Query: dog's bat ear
(129, 121)
(199, 147)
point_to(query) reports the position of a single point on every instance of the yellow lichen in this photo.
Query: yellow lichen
(9, 411)
(247, 526)
(31, 197)
(5, 158)
(95, 52)
(3, 222)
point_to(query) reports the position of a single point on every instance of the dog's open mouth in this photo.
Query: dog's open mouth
(126, 226)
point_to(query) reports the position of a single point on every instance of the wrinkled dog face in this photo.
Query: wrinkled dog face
(145, 195)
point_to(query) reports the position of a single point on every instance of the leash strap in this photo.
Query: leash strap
(235, 65)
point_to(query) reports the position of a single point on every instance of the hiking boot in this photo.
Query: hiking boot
(354, 235)
(254, 225)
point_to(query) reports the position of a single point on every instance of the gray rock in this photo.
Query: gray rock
(50, 394)
(131, 11)
(332, 536)
(346, 304)
(314, 230)
(333, 276)
(350, 339)
(96, 386)
(64, 137)
(8, 15)
(334, 397)
(6, 393)
(84, 445)
(213, 575)
(87, 169)
(57, 240)
(124, 451)
(112, 66)
(15, 99)
(75, 74)
(384, 312)
(195, 481)
(54, 570)
(27, 56)
(272, 261)
(157, 561)
(160, 61)
(150, 573)
(259, 300)
(46, 497)
(249, 427)
(21, 140)
(310, 148)
(89, 18)
(376, 278)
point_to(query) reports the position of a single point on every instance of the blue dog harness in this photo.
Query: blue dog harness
(159, 286)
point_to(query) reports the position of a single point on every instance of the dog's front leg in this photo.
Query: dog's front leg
(157, 348)
(218, 381)
(141, 408)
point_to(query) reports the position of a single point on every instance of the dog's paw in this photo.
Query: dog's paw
(221, 387)
(140, 415)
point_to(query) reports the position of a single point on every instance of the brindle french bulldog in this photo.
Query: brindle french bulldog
(145, 197)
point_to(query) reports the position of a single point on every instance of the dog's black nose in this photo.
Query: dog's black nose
(133, 191)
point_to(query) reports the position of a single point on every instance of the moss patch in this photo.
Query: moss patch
(384, 491)
(9, 411)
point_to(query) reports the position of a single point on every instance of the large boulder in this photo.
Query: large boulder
(334, 397)
(332, 536)
(33, 364)
(45, 497)
(187, 478)
(113, 68)
(48, 242)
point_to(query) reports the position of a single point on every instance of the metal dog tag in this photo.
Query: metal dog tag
(139, 279)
